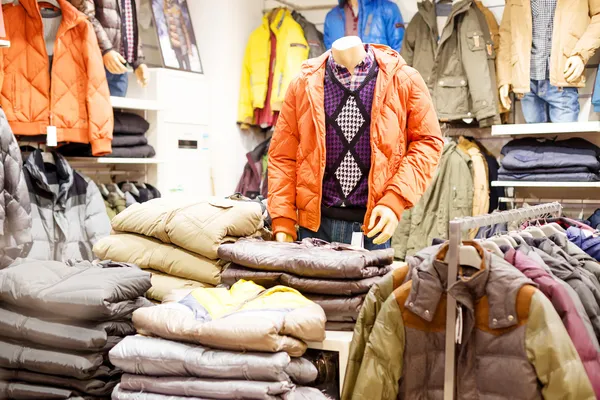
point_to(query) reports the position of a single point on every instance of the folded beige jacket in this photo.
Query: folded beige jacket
(163, 285)
(150, 253)
(200, 226)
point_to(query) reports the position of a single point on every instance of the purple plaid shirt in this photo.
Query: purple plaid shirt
(128, 35)
(361, 71)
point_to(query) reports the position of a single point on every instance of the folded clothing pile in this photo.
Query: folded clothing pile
(129, 138)
(585, 240)
(242, 343)
(178, 240)
(335, 276)
(58, 323)
(530, 159)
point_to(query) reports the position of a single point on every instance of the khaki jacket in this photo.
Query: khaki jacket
(481, 185)
(457, 70)
(576, 32)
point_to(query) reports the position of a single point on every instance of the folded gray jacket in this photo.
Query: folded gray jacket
(83, 291)
(20, 390)
(338, 287)
(94, 387)
(298, 393)
(311, 258)
(160, 357)
(61, 335)
(339, 308)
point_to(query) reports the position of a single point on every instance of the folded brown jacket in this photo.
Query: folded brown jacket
(311, 258)
(338, 287)
(339, 308)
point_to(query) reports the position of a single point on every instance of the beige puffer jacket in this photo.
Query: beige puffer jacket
(199, 226)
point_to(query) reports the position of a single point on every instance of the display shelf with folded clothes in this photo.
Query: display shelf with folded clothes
(335, 276)
(571, 160)
(58, 322)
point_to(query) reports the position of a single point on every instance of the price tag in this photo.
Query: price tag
(51, 137)
(358, 240)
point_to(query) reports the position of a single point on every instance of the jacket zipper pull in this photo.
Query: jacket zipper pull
(459, 325)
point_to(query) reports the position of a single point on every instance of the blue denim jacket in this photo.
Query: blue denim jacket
(596, 96)
(379, 21)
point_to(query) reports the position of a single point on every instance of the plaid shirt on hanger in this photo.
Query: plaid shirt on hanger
(542, 13)
(129, 30)
(361, 71)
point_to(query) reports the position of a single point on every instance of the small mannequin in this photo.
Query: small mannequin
(349, 51)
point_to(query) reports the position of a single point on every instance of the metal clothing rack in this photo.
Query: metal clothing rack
(457, 227)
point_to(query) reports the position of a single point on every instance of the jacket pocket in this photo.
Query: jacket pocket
(476, 41)
(452, 96)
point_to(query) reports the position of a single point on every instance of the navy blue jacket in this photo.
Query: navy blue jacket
(379, 21)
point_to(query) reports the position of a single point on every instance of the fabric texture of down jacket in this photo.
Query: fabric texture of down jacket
(247, 317)
(163, 285)
(21, 384)
(83, 291)
(503, 314)
(311, 258)
(15, 208)
(338, 287)
(586, 261)
(159, 357)
(150, 253)
(73, 97)
(198, 226)
(130, 124)
(405, 143)
(93, 337)
(69, 216)
(339, 308)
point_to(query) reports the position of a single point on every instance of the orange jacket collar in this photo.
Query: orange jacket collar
(70, 16)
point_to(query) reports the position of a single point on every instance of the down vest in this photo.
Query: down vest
(405, 143)
(74, 97)
(15, 209)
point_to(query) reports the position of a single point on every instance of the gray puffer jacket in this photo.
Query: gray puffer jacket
(15, 209)
(68, 211)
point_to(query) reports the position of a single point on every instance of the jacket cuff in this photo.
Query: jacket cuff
(394, 202)
(285, 225)
(101, 147)
(137, 63)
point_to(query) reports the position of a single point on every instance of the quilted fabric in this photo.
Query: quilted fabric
(75, 98)
(15, 208)
(406, 143)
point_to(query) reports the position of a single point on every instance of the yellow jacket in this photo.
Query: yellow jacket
(292, 50)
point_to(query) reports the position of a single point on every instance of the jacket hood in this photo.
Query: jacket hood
(387, 59)
(70, 15)
(37, 170)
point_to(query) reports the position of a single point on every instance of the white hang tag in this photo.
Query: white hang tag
(51, 136)
(358, 240)
(459, 324)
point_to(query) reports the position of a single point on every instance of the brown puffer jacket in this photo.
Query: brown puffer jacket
(105, 16)
(15, 208)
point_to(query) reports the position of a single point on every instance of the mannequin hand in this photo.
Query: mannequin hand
(388, 222)
(143, 75)
(505, 97)
(114, 62)
(283, 237)
(574, 68)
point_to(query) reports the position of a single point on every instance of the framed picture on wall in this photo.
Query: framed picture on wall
(176, 38)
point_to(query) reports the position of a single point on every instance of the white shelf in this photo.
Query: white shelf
(545, 129)
(134, 104)
(115, 160)
(340, 343)
(546, 184)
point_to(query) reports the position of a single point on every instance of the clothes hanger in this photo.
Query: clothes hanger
(492, 247)
(512, 241)
(502, 241)
(53, 2)
(536, 232)
(114, 188)
(468, 255)
(525, 234)
(550, 230)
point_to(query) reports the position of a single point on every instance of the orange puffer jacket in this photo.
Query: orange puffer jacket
(406, 143)
(75, 99)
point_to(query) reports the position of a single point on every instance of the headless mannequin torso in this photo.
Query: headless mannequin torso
(349, 51)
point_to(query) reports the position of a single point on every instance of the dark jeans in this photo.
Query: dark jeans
(333, 230)
(547, 103)
(117, 84)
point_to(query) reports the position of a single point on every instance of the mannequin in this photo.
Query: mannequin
(353, 120)
(544, 46)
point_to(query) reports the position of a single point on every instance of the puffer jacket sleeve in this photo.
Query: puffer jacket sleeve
(590, 41)
(88, 7)
(282, 166)
(394, 26)
(97, 224)
(382, 362)
(503, 64)
(245, 108)
(553, 355)
(401, 236)
(424, 144)
(100, 112)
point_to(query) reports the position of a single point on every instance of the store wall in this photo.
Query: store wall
(222, 28)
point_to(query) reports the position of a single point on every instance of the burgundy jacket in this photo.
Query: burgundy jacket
(565, 307)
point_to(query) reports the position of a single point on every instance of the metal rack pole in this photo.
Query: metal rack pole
(457, 227)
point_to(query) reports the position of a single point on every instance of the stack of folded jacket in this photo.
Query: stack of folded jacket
(58, 323)
(335, 276)
(129, 138)
(242, 343)
(178, 240)
(571, 160)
